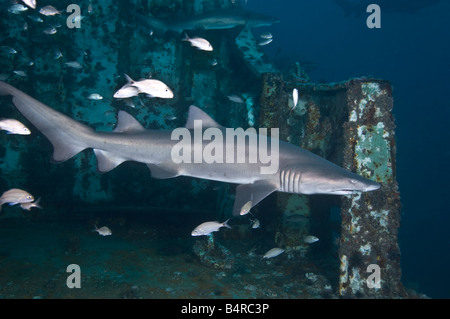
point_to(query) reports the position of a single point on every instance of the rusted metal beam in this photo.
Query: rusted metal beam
(351, 124)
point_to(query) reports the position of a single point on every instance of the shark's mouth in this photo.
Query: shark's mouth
(344, 192)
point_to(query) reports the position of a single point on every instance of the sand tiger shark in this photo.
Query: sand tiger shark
(297, 171)
(215, 20)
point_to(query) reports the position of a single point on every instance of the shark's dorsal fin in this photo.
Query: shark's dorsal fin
(127, 123)
(197, 114)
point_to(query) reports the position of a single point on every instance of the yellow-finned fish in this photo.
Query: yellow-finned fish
(246, 208)
(30, 205)
(199, 43)
(15, 196)
(104, 231)
(13, 126)
(310, 239)
(151, 87)
(209, 227)
(273, 252)
(49, 11)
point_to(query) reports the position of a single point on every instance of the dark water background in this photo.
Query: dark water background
(412, 51)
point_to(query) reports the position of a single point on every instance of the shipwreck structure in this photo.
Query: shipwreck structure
(350, 123)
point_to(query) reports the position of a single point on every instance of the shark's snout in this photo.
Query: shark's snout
(372, 186)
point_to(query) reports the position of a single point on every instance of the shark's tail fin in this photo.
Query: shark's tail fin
(65, 134)
(350, 8)
(157, 25)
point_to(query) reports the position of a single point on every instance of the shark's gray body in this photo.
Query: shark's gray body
(223, 19)
(299, 171)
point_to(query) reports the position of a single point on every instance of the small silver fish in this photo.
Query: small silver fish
(129, 102)
(49, 11)
(17, 8)
(104, 231)
(95, 96)
(265, 42)
(15, 196)
(256, 223)
(36, 18)
(310, 239)
(20, 73)
(235, 99)
(30, 3)
(57, 54)
(208, 227)
(246, 208)
(13, 126)
(199, 43)
(30, 205)
(50, 30)
(74, 65)
(126, 91)
(266, 35)
(77, 19)
(273, 253)
(213, 62)
(295, 97)
(151, 87)
(8, 50)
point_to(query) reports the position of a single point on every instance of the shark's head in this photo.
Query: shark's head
(335, 181)
(254, 20)
(329, 179)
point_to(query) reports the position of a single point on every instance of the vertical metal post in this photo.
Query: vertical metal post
(369, 235)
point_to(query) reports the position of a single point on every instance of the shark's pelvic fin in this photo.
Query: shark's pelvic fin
(255, 193)
(62, 150)
(107, 161)
(125, 124)
(163, 171)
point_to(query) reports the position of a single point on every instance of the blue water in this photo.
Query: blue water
(412, 51)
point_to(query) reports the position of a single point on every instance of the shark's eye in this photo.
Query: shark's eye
(353, 181)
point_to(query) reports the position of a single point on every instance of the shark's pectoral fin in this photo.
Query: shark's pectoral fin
(255, 193)
(106, 161)
(163, 171)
